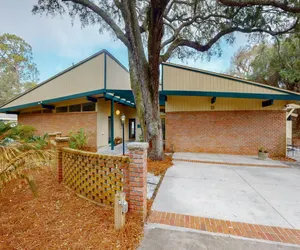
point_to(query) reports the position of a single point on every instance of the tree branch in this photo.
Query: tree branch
(180, 42)
(102, 13)
(284, 5)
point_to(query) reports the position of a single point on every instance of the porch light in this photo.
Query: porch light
(117, 112)
(123, 117)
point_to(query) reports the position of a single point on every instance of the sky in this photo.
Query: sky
(57, 44)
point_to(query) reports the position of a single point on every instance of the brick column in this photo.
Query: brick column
(137, 178)
(61, 142)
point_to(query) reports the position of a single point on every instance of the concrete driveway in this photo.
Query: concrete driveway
(257, 195)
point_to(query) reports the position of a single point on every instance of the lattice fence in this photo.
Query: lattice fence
(93, 176)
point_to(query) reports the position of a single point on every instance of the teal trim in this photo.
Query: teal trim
(230, 95)
(119, 100)
(231, 78)
(49, 101)
(112, 119)
(105, 69)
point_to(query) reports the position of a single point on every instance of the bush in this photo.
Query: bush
(21, 132)
(78, 140)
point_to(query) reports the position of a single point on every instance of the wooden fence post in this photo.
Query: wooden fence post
(119, 212)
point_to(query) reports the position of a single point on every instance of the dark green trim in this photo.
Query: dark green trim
(105, 70)
(230, 95)
(231, 78)
(91, 99)
(49, 101)
(112, 119)
(119, 100)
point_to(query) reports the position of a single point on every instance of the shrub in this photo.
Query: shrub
(40, 142)
(78, 140)
(21, 132)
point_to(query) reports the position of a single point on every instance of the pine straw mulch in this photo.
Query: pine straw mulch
(282, 158)
(160, 167)
(58, 219)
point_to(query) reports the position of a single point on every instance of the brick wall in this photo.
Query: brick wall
(63, 122)
(228, 132)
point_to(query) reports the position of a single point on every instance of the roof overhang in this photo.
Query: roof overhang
(121, 96)
(231, 95)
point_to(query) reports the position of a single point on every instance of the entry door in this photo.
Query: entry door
(131, 129)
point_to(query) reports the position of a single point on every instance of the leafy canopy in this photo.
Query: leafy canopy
(187, 25)
(275, 64)
(18, 72)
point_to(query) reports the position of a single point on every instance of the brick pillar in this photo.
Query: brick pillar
(137, 178)
(61, 142)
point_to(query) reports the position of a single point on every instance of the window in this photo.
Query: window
(75, 108)
(90, 106)
(62, 109)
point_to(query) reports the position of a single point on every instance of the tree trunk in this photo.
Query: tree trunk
(144, 74)
(147, 104)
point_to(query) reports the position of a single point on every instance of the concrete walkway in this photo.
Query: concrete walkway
(166, 238)
(257, 195)
(224, 158)
(118, 150)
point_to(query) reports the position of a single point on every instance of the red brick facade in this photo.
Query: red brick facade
(63, 122)
(228, 132)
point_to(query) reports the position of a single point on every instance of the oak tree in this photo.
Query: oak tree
(156, 30)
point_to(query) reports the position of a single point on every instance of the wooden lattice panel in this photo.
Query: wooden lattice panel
(96, 177)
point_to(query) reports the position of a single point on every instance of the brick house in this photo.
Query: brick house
(201, 111)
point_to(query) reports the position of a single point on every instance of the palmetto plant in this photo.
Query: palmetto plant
(19, 156)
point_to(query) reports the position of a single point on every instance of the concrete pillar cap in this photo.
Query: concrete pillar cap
(54, 133)
(61, 139)
(137, 145)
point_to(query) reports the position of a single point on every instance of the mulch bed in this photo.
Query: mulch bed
(159, 167)
(282, 158)
(58, 219)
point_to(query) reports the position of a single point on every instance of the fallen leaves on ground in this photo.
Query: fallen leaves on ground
(282, 158)
(58, 219)
(159, 167)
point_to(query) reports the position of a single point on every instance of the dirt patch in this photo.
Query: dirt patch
(58, 219)
(159, 167)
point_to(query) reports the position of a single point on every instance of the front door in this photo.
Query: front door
(131, 129)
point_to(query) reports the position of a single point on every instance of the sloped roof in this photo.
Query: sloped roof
(184, 80)
(88, 77)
